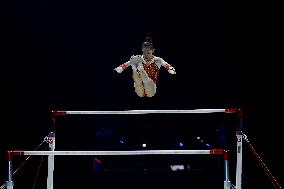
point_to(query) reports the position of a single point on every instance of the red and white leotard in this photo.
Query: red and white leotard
(151, 67)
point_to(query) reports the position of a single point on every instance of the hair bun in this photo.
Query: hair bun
(149, 39)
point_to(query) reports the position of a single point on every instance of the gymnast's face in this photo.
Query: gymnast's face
(147, 52)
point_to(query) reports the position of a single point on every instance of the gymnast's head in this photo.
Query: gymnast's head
(148, 47)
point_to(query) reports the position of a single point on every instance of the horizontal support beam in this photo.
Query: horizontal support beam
(198, 111)
(107, 153)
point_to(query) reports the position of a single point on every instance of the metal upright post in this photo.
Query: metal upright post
(227, 182)
(239, 135)
(51, 142)
(9, 183)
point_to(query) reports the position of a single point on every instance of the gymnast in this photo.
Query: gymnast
(145, 69)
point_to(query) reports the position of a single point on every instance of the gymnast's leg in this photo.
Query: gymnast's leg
(148, 83)
(138, 84)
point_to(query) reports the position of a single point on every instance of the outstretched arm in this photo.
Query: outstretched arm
(134, 61)
(122, 67)
(166, 65)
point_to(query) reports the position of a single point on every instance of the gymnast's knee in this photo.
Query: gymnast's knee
(150, 93)
(139, 90)
(150, 90)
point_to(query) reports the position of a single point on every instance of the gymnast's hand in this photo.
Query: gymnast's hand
(171, 70)
(118, 69)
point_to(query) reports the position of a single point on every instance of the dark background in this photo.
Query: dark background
(61, 55)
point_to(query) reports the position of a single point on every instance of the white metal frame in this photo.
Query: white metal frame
(51, 139)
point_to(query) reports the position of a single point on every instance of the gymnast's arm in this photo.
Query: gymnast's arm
(122, 67)
(166, 65)
(134, 61)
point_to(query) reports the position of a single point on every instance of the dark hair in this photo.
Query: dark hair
(148, 43)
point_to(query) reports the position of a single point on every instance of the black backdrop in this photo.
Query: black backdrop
(61, 55)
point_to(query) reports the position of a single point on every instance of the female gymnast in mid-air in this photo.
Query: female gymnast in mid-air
(145, 69)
